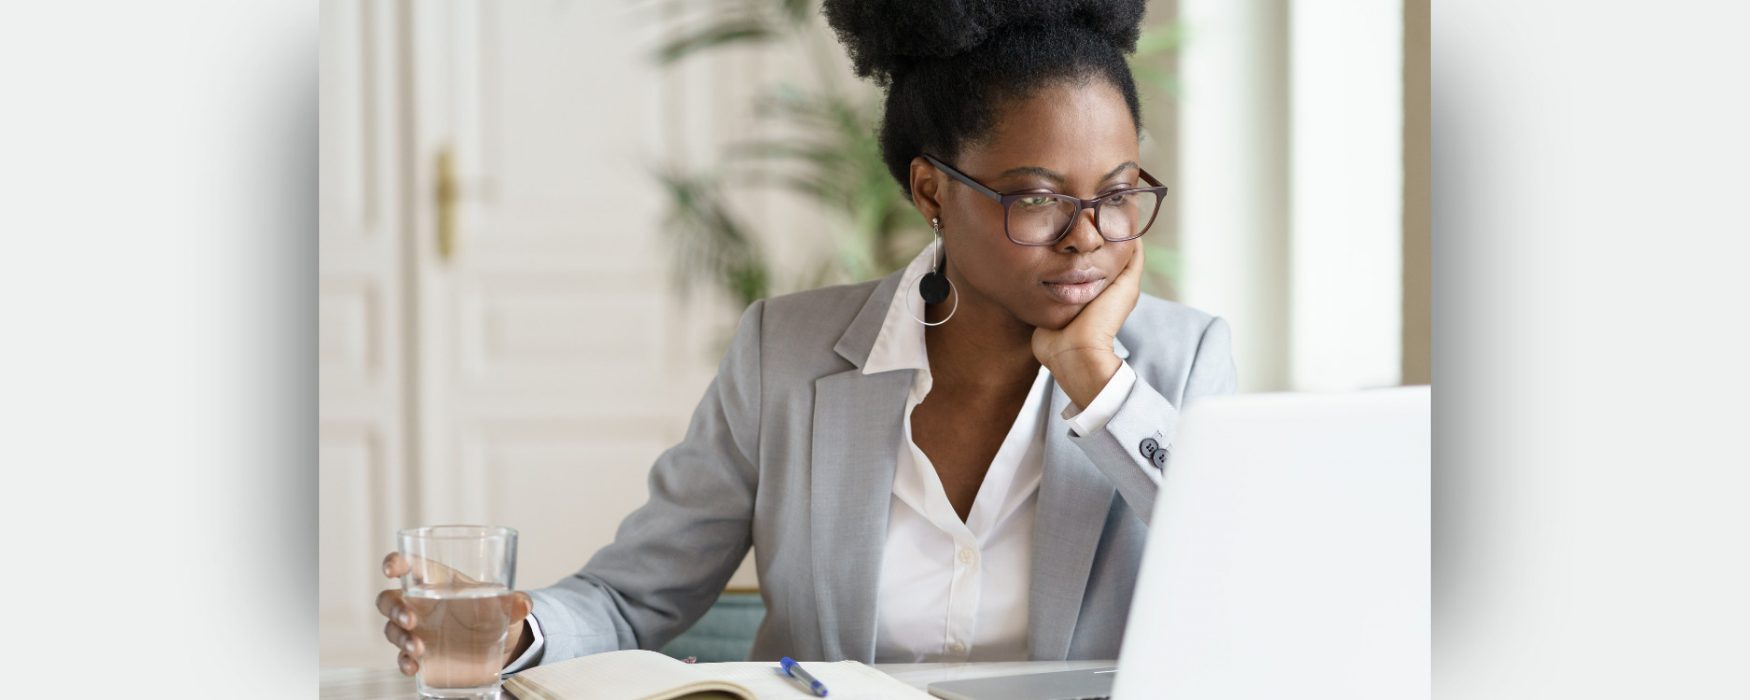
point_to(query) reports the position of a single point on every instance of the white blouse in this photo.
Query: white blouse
(953, 590)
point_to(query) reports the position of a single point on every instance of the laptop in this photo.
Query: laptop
(1288, 556)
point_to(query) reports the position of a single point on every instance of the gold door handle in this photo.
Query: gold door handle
(448, 193)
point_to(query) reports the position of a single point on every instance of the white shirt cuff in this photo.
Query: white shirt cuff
(534, 650)
(1104, 405)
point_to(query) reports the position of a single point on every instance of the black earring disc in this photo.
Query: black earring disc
(934, 288)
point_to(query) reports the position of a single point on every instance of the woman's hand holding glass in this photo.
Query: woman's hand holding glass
(415, 625)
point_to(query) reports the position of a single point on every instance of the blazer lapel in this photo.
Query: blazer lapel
(856, 433)
(1074, 500)
(856, 428)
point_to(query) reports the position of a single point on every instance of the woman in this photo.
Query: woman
(958, 461)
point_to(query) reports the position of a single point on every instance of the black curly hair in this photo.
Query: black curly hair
(949, 65)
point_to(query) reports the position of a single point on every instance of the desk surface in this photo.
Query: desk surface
(389, 684)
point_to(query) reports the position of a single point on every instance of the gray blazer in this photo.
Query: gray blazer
(792, 451)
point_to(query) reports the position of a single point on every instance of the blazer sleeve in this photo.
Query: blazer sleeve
(1138, 439)
(671, 557)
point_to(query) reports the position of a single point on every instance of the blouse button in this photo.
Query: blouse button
(966, 555)
(957, 648)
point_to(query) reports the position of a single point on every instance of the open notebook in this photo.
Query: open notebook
(646, 675)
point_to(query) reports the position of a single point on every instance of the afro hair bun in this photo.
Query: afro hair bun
(885, 37)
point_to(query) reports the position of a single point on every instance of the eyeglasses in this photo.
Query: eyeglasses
(1043, 217)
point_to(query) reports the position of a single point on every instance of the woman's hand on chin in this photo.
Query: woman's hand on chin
(1080, 356)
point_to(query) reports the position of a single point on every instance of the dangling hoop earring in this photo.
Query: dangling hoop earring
(936, 274)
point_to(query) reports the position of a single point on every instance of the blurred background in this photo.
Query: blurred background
(541, 219)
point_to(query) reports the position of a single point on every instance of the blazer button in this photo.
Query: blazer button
(1150, 448)
(1160, 458)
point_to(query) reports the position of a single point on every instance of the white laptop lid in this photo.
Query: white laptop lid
(1288, 554)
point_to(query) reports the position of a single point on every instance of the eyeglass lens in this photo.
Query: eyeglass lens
(1044, 218)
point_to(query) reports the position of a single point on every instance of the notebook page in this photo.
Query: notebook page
(616, 675)
(845, 680)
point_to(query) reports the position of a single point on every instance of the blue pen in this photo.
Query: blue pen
(794, 670)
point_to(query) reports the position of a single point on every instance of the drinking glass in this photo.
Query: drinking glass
(460, 583)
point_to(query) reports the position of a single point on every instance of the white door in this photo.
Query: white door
(530, 359)
(555, 365)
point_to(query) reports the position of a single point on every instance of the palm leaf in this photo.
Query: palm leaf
(736, 31)
(710, 242)
(797, 11)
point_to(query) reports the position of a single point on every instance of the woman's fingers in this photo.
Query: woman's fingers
(407, 664)
(391, 604)
(1135, 268)
(425, 571)
(403, 640)
(1108, 310)
(395, 565)
(520, 606)
(1130, 278)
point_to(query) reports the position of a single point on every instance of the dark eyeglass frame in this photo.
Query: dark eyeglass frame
(1006, 198)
